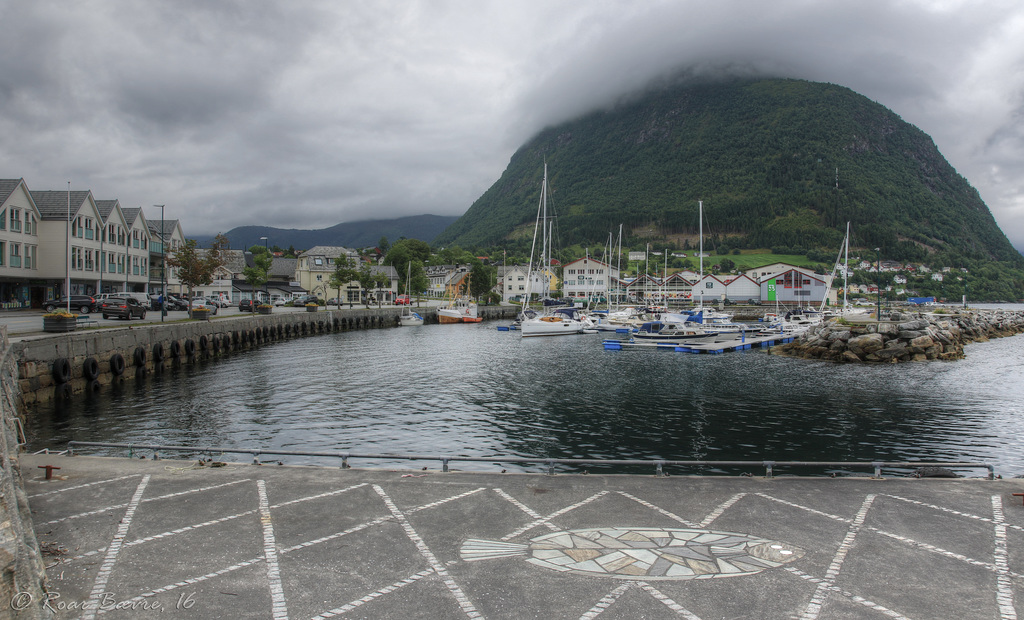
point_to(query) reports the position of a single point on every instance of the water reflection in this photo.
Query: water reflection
(471, 390)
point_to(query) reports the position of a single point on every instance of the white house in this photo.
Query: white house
(81, 233)
(19, 247)
(588, 278)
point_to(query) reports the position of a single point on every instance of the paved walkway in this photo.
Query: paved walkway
(245, 541)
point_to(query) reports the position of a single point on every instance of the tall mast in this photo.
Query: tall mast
(700, 211)
(846, 260)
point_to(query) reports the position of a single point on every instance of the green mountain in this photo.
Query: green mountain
(778, 163)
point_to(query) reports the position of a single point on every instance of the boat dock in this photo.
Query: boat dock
(719, 343)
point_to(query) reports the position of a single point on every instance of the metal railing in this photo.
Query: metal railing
(658, 464)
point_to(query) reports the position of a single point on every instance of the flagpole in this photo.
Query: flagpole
(67, 253)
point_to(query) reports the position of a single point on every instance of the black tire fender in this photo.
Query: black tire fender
(61, 370)
(90, 368)
(158, 353)
(175, 349)
(117, 364)
(190, 347)
(139, 356)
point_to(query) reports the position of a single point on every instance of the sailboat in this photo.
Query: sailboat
(563, 321)
(408, 318)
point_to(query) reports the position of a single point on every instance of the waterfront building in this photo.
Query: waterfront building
(793, 286)
(159, 273)
(588, 278)
(760, 273)
(512, 282)
(136, 273)
(20, 286)
(315, 266)
(742, 288)
(81, 233)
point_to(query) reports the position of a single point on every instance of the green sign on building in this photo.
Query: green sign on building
(771, 290)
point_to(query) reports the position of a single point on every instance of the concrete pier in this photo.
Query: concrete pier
(130, 538)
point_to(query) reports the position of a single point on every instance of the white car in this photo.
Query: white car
(202, 302)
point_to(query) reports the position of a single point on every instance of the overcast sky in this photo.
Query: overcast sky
(304, 114)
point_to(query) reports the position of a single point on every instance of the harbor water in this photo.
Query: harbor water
(471, 390)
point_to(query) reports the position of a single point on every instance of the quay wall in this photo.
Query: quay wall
(903, 337)
(60, 365)
(22, 571)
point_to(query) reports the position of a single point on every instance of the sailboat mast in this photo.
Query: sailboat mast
(700, 211)
(618, 263)
(846, 267)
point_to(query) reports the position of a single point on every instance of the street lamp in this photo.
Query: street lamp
(163, 266)
(266, 283)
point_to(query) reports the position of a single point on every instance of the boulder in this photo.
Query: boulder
(866, 344)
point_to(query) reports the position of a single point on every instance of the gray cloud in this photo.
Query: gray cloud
(308, 113)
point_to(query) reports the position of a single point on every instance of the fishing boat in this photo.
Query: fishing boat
(459, 308)
(408, 318)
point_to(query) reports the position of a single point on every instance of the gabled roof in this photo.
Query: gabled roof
(281, 267)
(329, 251)
(106, 207)
(7, 187)
(53, 204)
(131, 214)
(590, 259)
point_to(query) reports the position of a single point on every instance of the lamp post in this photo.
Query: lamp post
(163, 266)
(878, 282)
(67, 254)
(266, 283)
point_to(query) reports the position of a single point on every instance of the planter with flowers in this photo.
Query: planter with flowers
(264, 308)
(201, 314)
(311, 307)
(60, 321)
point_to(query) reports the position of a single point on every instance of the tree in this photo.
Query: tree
(366, 278)
(480, 279)
(383, 244)
(259, 274)
(196, 268)
(345, 271)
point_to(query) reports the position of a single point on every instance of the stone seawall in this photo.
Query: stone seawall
(904, 337)
(22, 572)
(58, 366)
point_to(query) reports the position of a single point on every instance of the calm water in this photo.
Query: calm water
(472, 390)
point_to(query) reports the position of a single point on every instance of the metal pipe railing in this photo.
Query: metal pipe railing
(659, 464)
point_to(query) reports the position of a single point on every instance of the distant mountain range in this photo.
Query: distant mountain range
(347, 234)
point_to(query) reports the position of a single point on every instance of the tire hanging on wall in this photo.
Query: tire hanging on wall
(139, 356)
(61, 370)
(204, 342)
(175, 349)
(190, 347)
(116, 364)
(158, 353)
(90, 368)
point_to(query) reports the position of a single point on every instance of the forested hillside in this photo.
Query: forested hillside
(777, 163)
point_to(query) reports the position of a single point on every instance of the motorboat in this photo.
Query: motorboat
(560, 322)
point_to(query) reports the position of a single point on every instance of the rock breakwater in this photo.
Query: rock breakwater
(903, 337)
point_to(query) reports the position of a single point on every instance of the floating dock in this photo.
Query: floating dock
(713, 344)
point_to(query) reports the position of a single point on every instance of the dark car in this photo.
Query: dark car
(122, 308)
(81, 303)
(176, 303)
(245, 305)
(305, 299)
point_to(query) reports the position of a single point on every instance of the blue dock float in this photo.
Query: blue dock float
(714, 345)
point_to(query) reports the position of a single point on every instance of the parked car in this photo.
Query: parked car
(246, 305)
(220, 302)
(176, 303)
(403, 300)
(302, 300)
(122, 308)
(202, 302)
(280, 301)
(81, 303)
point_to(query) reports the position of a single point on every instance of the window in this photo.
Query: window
(3, 220)
(3, 253)
(318, 262)
(89, 266)
(319, 277)
(15, 220)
